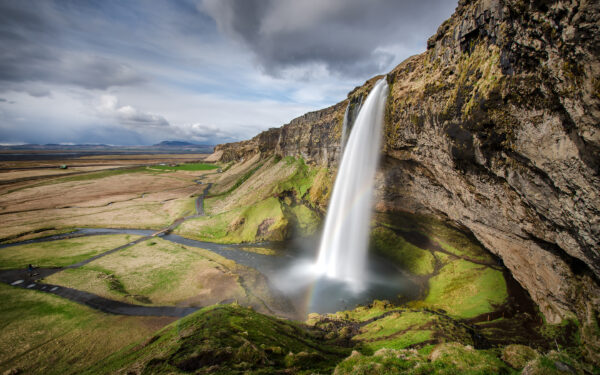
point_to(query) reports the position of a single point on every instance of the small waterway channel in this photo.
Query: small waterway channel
(288, 270)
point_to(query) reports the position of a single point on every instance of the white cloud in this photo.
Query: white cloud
(127, 115)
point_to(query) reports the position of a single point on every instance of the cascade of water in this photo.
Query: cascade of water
(345, 129)
(349, 117)
(343, 249)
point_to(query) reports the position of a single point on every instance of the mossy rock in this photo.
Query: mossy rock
(517, 356)
(553, 363)
(466, 359)
(302, 360)
(451, 358)
(228, 339)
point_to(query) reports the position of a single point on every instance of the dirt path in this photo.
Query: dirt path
(21, 279)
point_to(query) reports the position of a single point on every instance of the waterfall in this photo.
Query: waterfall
(349, 116)
(343, 249)
(345, 126)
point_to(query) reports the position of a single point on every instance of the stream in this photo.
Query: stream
(289, 271)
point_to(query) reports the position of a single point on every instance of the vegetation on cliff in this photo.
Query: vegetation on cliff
(260, 200)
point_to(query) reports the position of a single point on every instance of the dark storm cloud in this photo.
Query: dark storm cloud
(348, 36)
(33, 38)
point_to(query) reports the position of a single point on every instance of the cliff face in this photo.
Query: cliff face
(495, 127)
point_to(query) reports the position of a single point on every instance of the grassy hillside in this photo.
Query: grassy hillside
(228, 340)
(258, 200)
(44, 334)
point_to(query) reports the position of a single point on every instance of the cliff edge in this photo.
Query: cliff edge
(495, 128)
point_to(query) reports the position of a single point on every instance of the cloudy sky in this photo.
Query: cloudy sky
(131, 72)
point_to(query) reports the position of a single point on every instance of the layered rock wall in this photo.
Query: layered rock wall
(495, 127)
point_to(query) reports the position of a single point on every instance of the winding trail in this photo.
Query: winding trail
(21, 279)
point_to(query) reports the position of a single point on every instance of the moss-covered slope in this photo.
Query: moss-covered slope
(228, 340)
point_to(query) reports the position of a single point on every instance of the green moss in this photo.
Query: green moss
(411, 258)
(565, 333)
(393, 324)
(362, 313)
(306, 220)
(468, 250)
(466, 360)
(450, 238)
(258, 214)
(300, 181)
(554, 363)
(261, 221)
(466, 289)
(228, 340)
(517, 356)
(448, 359)
(408, 338)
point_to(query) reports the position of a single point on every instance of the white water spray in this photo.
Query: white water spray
(343, 250)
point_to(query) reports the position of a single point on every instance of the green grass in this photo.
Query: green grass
(38, 233)
(45, 334)
(306, 220)
(152, 272)
(394, 324)
(240, 225)
(393, 327)
(466, 289)
(450, 238)
(466, 250)
(409, 338)
(228, 339)
(360, 313)
(187, 167)
(300, 181)
(61, 253)
(411, 258)
(278, 199)
(238, 182)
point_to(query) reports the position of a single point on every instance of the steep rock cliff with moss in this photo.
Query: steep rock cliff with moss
(496, 129)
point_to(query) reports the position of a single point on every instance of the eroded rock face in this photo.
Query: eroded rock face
(496, 127)
(315, 136)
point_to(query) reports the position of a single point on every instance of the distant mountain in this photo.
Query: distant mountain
(162, 147)
(177, 144)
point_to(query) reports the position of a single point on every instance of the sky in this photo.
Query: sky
(135, 72)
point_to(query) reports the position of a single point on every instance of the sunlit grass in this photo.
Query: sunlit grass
(466, 289)
(60, 253)
(44, 334)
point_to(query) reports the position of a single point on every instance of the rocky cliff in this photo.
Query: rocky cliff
(495, 128)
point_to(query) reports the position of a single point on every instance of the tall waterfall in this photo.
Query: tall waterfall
(343, 249)
(352, 109)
